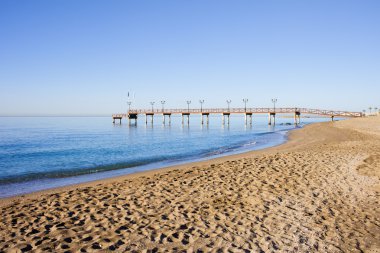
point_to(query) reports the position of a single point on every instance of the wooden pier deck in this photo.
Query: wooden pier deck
(226, 112)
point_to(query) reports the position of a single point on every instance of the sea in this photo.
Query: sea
(38, 153)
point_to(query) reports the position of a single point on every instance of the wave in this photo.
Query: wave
(71, 172)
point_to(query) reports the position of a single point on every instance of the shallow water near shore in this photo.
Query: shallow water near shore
(38, 153)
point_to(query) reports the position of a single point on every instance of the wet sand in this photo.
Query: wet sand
(319, 192)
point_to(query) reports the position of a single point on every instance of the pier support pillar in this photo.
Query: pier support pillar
(246, 116)
(132, 116)
(297, 118)
(228, 117)
(164, 118)
(272, 114)
(146, 118)
(188, 118)
(116, 118)
(202, 119)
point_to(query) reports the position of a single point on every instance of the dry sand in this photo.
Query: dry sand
(319, 192)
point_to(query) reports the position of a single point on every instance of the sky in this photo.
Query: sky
(82, 57)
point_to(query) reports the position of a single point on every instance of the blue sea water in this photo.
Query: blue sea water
(38, 153)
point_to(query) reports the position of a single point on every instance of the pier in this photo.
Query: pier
(227, 112)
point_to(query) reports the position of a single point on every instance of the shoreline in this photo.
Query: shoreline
(32, 195)
(319, 191)
(154, 166)
(290, 137)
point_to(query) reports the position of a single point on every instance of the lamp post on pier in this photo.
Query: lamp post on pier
(188, 105)
(201, 102)
(152, 104)
(162, 103)
(370, 110)
(274, 101)
(129, 105)
(245, 100)
(228, 104)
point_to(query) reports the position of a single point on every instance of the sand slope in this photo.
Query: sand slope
(317, 193)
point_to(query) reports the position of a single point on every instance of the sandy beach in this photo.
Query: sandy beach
(319, 192)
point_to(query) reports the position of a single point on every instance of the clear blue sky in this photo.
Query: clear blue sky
(82, 57)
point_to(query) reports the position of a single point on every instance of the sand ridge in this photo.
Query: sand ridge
(316, 193)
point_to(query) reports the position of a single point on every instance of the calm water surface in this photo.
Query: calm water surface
(38, 153)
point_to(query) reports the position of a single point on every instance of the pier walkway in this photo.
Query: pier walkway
(226, 112)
